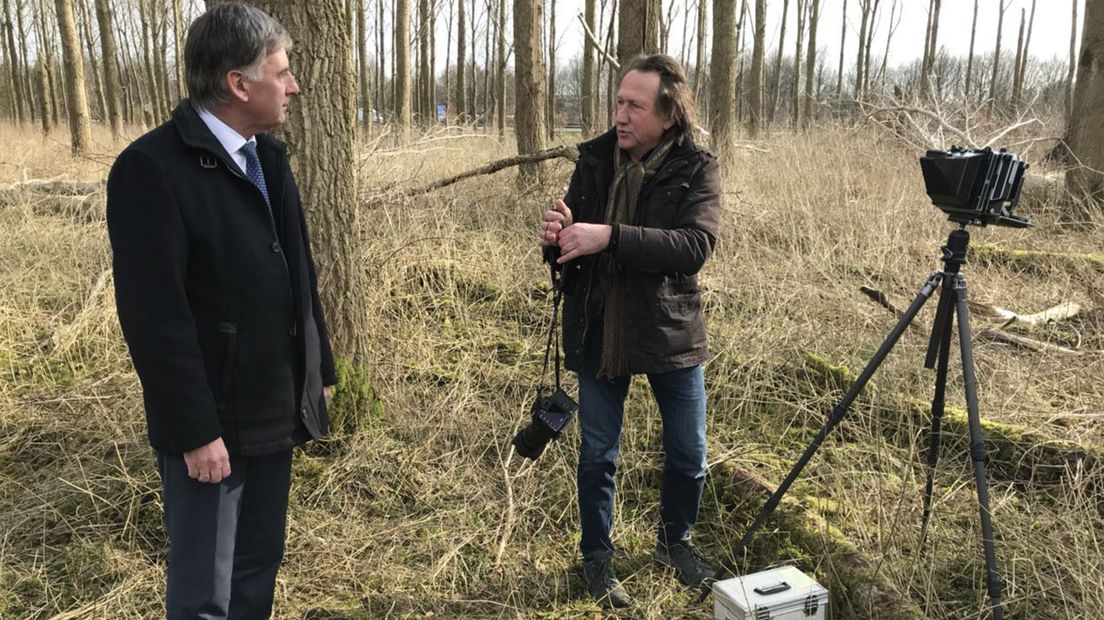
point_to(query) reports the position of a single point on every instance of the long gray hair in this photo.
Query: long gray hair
(229, 37)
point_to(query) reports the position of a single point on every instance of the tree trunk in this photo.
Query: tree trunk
(755, 87)
(381, 73)
(1086, 139)
(699, 63)
(801, 8)
(586, 103)
(528, 84)
(996, 56)
(638, 29)
(320, 133)
(843, 44)
(776, 100)
(80, 128)
(402, 70)
(24, 62)
(870, 34)
(1072, 64)
(364, 66)
(1018, 61)
(19, 111)
(108, 55)
(722, 78)
(1021, 66)
(461, 63)
(931, 46)
(550, 112)
(500, 72)
(810, 63)
(97, 80)
(179, 30)
(425, 25)
(864, 8)
(970, 57)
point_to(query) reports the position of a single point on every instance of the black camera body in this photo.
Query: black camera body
(977, 187)
(550, 416)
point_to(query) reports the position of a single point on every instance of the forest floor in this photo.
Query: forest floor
(418, 508)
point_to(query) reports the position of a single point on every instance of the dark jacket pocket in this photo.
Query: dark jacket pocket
(225, 393)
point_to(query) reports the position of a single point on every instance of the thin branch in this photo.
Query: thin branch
(593, 40)
(567, 152)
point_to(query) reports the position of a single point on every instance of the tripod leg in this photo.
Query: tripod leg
(942, 340)
(977, 447)
(838, 412)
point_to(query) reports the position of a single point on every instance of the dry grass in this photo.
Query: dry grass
(423, 511)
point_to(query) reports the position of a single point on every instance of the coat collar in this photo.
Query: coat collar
(195, 134)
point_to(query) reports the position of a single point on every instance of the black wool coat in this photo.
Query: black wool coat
(658, 255)
(217, 300)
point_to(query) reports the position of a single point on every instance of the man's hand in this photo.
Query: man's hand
(327, 393)
(553, 221)
(209, 463)
(582, 239)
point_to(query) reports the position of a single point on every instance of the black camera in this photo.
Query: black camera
(975, 186)
(550, 416)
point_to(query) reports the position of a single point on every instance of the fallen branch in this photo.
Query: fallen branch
(569, 153)
(1024, 342)
(883, 301)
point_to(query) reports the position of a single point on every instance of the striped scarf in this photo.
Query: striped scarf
(623, 197)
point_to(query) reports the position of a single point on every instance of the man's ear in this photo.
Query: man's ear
(235, 84)
(669, 123)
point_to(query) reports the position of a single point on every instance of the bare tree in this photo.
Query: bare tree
(996, 55)
(894, 21)
(699, 62)
(360, 6)
(1087, 121)
(589, 83)
(19, 111)
(1072, 63)
(776, 100)
(722, 81)
(801, 7)
(500, 70)
(638, 29)
(461, 63)
(843, 45)
(528, 83)
(110, 71)
(80, 127)
(970, 57)
(85, 27)
(402, 70)
(550, 109)
(810, 63)
(755, 88)
(931, 46)
(860, 68)
(1022, 51)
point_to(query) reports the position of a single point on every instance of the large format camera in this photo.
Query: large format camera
(977, 187)
(550, 416)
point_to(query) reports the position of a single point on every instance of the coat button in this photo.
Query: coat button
(291, 331)
(303, 411)
(276, 247)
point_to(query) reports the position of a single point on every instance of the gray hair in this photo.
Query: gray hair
(229, 37)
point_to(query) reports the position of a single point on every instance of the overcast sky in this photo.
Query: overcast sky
(1050, 35)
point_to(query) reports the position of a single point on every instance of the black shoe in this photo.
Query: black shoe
(603, 584)
(690, 566)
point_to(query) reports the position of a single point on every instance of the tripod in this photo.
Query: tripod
(952, 298)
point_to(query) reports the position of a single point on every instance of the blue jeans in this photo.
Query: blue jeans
(680, 395)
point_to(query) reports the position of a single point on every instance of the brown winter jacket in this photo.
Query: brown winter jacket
(674, 233)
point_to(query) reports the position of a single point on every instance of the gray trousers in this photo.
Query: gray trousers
(226, 540)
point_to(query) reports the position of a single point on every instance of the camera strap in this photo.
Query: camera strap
(553, 341)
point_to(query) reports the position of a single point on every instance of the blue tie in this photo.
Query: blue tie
(253, 171)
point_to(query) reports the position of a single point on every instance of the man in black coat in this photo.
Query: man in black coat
(217, 297)
(639, 220)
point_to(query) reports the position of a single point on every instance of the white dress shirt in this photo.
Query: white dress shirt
(230, 140)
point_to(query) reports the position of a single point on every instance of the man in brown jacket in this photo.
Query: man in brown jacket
(639, 220)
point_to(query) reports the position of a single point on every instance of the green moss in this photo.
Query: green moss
(354, 406)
